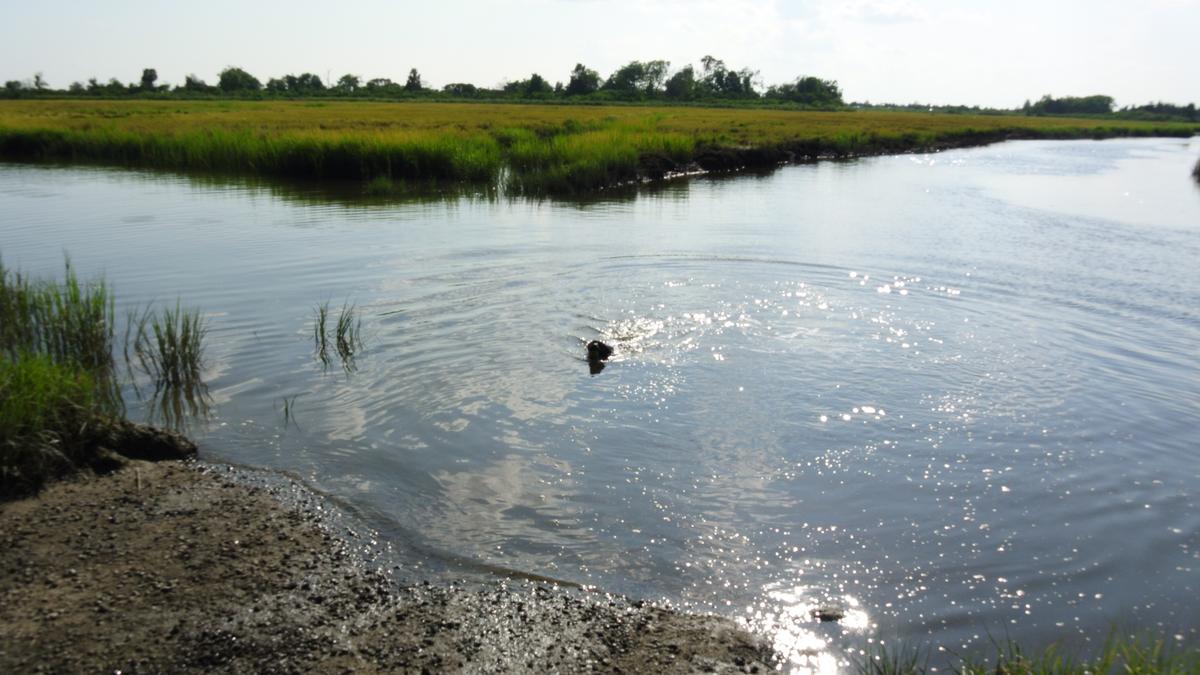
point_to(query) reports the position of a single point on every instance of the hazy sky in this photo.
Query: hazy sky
(938, 51)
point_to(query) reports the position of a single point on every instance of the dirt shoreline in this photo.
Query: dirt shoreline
(176, 567)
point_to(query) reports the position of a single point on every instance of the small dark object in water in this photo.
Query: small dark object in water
(598, 351)
(827, 614)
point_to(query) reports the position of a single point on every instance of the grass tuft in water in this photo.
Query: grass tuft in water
(287, 405)
(348, 335)
(169, 346)
(345, 338)
(321, 333)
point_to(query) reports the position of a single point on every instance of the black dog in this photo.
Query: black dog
(598, 351)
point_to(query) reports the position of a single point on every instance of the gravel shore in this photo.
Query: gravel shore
(174, 567)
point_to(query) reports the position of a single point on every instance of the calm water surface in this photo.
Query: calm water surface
(956, 395)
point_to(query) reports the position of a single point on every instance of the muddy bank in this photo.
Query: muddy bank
(726, 159)
(175, 567)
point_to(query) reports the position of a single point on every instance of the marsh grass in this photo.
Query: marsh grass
(343, 338)
(381, 186)
(56, 375)
(321, 333)
(59, 384)
(540, 149)
(69, 322)
(879, 659)
(287, 405)
(1139, 654)
(47, 411)
(168, 346)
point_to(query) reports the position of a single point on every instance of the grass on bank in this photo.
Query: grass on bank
(1141, 654)
(532, 149)
(59, 386)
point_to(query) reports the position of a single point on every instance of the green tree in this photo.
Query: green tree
(583, 81)
(414, 81)
(1097, 104)
(193, 84)
(379, 84)
(682, 85)
(348, 83)
(304, 83)
(149, 77)
(461, 89)
(810, 91)
(654, 73)
(626, 79)
(536, 87)
(39, 82)
(721, 82)
(235, 79)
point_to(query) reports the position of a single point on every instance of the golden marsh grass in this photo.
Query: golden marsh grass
(547, 148)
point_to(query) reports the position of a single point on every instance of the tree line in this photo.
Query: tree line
(1100, 104)
(634, 81)
(713, 82)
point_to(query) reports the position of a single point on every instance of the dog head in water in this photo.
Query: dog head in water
(598, 351)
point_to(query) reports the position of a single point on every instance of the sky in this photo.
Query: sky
(973, 52)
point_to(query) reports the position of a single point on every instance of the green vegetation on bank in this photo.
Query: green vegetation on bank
(56, 375)
(528, 149)
(60, 399)
(1142, 654)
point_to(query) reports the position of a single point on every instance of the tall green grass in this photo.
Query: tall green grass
(1141, 654)
(169, 348)
(59, 385)
(47, 410)
(70, 322)
(295, 154)
(56, 375)
(530, 149)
